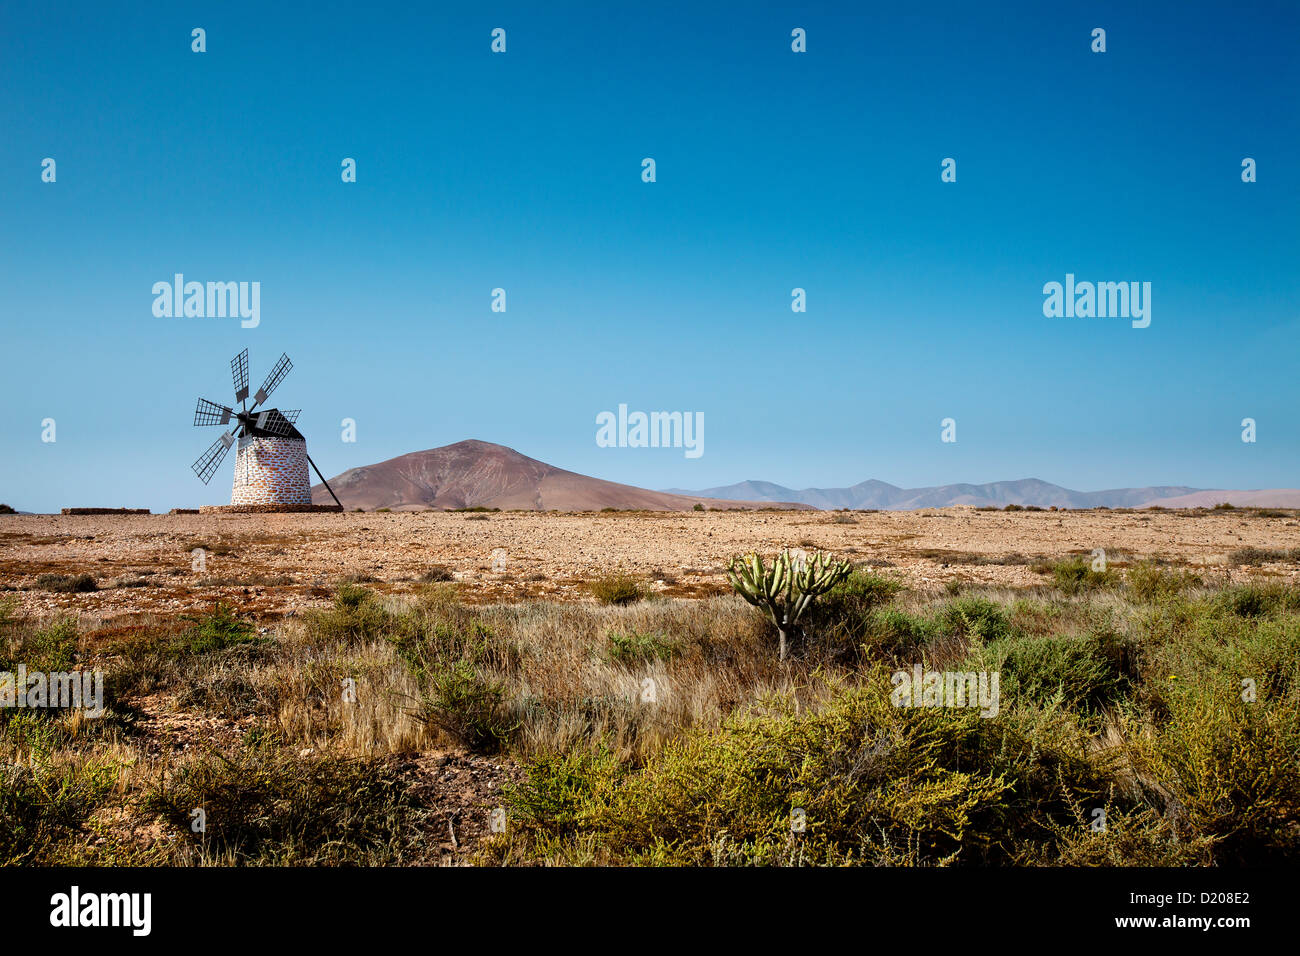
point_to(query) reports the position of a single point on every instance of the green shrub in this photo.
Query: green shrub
(1085, 672)
(897, 632)
(560, 792)
(52, 648)
(857, 595)
(468, 707)
(875, 783)
(845, 616)
(42, 807)
(1254, 600)
(46, 800)
(635, 648)
(1151, 583)
(1212, 644)
(1131, 837)
(1075, 575)
(216, 631)
(356, 617)
(616, 589)
(1231, 771)
(976, 619)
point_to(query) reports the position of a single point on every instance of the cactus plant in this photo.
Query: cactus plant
(787, 588)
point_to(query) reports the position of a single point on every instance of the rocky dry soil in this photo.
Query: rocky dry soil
(272, 565)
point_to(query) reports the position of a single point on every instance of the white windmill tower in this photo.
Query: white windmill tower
(271, 460)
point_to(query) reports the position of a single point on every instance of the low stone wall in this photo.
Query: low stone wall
(106, 511)
(265, 509)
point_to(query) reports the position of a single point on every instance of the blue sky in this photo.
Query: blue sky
(775, 170)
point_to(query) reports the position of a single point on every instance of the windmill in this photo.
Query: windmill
(271, 460)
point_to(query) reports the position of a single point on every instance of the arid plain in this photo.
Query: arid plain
(386, 687)
(274, 564)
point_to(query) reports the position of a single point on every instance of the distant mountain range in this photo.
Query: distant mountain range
(479, 474)
(1027, 491)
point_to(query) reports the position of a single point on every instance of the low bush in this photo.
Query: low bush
(1085, 673)
(896, 632)
(356, 617)
(1150, 582)
(845, 616)
(48, 648)
(975, 619)
(46, 801)
(616, 589)
(264, 806)
(216, 631)
(1077, 575)
(864, 782)
(468, 707)
(1231, 771)
(635, 648)
(66, 583)
(1257, 556)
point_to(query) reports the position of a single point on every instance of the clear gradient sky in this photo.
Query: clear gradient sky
(775, 170)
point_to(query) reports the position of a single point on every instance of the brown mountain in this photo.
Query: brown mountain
(480, 474)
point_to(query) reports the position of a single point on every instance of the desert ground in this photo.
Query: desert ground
(274, 564)
(379, 688)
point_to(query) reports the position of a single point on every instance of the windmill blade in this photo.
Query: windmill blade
(239, 372)
(275, 378)
(210, 460)
(210, 413)
(273, 421)
(291, 414)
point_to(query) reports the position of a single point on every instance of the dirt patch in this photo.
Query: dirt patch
(463, 791)
(165, 731)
